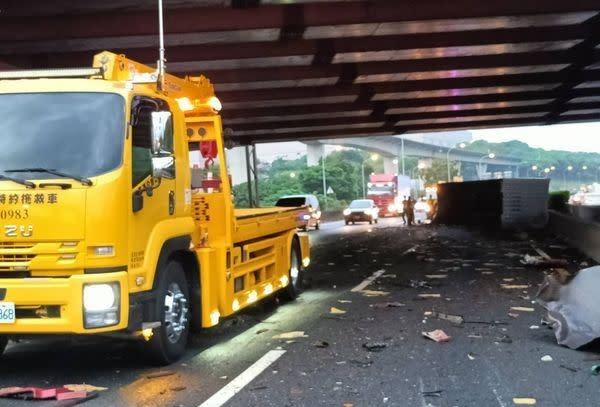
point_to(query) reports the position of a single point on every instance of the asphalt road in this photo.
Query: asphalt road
(490, 359)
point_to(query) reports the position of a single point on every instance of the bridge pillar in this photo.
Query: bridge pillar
(481, 170)
(388, 166)
(236, 162)
(314, 152)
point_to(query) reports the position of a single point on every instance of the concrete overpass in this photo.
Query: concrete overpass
(391, 148)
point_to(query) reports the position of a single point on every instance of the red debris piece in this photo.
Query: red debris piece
(438, 335)
(38, 393)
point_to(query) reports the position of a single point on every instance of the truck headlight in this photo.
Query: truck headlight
(346, 212)
(306, 217)
(101, 304)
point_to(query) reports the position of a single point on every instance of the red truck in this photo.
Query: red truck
(383, 190)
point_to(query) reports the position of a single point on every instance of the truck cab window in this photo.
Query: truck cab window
(151, 155)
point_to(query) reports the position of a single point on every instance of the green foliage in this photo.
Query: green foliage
(558, 201)
(438, 172)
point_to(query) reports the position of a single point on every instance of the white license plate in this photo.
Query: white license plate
(7, 312)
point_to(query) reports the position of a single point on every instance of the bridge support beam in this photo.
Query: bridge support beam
(314, 152)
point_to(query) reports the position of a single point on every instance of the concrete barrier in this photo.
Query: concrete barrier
(586, 213)
(582, 234)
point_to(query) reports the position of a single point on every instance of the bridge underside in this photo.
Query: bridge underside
(305, 70)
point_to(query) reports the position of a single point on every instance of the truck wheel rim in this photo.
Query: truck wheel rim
(294, 269)
(176, 312)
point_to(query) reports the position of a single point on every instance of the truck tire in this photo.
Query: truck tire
(295, 274)
(169, 341)
(3, 343)
(318, 226)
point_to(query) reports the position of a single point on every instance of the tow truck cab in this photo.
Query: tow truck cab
(103, 229)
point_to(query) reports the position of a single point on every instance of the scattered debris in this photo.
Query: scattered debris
(291, 335)
(471, 356)
(336, 311)
(524, 401)
(541, 261)
(573, 308)
(514, 286)
(178, 388)
(505, 339)
(388, 275)
(433, 393)
(320, 344)
(435, 276)
(475, 336)
(374, 346)
(546, 358)
(387, 305)
(438, 335)
(569, 368)
(361, 363)
(162, 373)
(487, 272)
(513, 315)
(429, 295)
(344, 301)
(455, 319)
(534, 327)
(261, 331)
(84, 387)
(38, 393)
(522, 309)
(508, 280)
(596, 370)
(374, 293)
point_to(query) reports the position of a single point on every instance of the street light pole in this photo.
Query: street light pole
(324, 181)
(363, 179)
(490, 156)
(461, 145)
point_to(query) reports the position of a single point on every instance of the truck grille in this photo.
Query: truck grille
(15, 245)
(16, 258)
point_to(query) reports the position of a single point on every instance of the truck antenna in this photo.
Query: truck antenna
(160, 65)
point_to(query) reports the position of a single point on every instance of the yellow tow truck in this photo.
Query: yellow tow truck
(116, 210)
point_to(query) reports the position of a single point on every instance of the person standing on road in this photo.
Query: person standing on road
(404, 208)
(410, 210)
(432, 207)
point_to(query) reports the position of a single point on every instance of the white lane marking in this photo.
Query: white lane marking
(368, 281)
(499, 398)
(236, 385)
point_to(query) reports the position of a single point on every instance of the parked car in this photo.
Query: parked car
(361, 210)
(311, 217)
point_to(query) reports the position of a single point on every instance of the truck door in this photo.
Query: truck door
(152, 174)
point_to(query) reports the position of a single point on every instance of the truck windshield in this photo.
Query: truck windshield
(75, 133)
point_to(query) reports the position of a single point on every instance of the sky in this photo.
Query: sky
(583, 137)
(570, 137)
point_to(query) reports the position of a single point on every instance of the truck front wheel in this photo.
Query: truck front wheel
(168, 341)
(295, 273)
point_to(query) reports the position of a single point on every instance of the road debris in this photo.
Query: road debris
(513, 315)
(546, 358)
(541, 261)
(471, 356)
(374, 293)
(534, 327)
(344, 301)
(261, 331)
(387, 305)
(514, 286)
(374, 346)
(595, 370)
(291, 335)
(438, 335)
(429, 295)
(522, 309)
(38, 393)
(436, 276)
(320, 344)
(524, 401)
(455, 319)
(336, 311)
(84, 387)
(432, 393)
(162, 373)
(569, 368)
(177, 388)
(573, 308)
